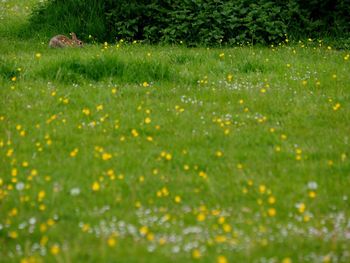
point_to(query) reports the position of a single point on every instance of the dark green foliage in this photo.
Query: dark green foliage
(193, 22)
(7, 70)
(131, 71)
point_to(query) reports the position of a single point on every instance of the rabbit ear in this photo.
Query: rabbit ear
(74, 36)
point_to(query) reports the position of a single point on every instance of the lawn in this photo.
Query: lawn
(127, 152)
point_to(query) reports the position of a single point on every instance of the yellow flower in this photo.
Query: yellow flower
(312, 194)
(148, 120)
(201, 217)
(220, 239)
(44, 240)
(86, 111)
(227, 228)
(150, 236)
(74, 152)
(262, 189)
(196, 254)
(336, 106)
(286, 260)
(85, 227)
(177, 199)
(95, 187)
(111, 241)
(106, 156)
(301, 208)
(55, 249)
(134, 132)
(219, 154)
(38, 55)
(50, 222)
(43, 227)
(145, 84)
(271, 212)
(13, 234)
(143, 230)
(41, 195)
(168, 157)
(203, 175)
(221, 259)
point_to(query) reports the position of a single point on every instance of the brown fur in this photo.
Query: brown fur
(61, 41)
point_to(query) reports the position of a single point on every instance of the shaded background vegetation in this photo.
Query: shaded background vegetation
(204, 22)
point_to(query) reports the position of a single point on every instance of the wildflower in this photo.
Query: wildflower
(336, 106)
(85, 227)
(221, 259)
(148, 120)
(150, 237)
(283, 137)
(221, 55)
(271, 200)
(301, 208)
(134, 133)
(271, 212)
(312, 194)
(95, 187)
(13, 234)
(219, 154)
(201, 217)
(44, 240)
(38, 55)
(203, 174)
(220, 239)
(86, 111)
(196, 254)
(55, 249)
(111, 241)
(106, 156)
(227, 228)
(74, 152)
(286, 260)
(143, 230)
(13, 212)
(145, 84)
(41, 195)
(262, 189)
(168, 157)
(177, 199)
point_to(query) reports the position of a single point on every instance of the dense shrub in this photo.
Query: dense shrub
(207, 22)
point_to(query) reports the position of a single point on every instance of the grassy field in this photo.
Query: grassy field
(125, 152)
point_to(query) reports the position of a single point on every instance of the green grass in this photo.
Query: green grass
(176, 145)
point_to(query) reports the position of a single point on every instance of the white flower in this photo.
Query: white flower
(20, 186)
(312, 185)
(75, 191)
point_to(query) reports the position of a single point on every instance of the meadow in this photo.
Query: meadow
(127, 152)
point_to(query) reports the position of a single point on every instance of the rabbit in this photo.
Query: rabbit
(60, 41)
